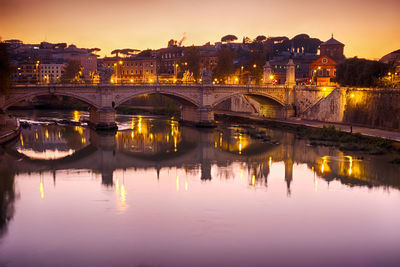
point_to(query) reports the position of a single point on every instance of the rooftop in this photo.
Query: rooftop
(332, 41)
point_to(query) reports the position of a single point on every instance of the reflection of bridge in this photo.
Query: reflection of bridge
(197, 100)
(102, 156)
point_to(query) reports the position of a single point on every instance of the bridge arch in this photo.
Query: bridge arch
(256, 94)
(177, 96)
(21, 97)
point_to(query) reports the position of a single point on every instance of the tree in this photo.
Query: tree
(191, 61)
(72, 72)
(260, 38)
(246, 40)
(125, 51)
(360, 72)
(172, 43)
(228, 38)
(5, 70)
(225, 66)
(304, 43)
(94, 50)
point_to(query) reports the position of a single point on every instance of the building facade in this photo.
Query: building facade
(132, 70)
(51, 72)
(323, 69)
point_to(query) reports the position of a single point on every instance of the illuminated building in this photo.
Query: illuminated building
(51, 72)
(134, 69)
(169, 59)
(323, 69)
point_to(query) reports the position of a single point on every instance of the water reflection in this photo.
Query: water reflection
(156, 144)
(49, 142)
(156, 180)
(149, 136)
(7, 197)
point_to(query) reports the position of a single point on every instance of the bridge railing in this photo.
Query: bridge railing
(124, 85)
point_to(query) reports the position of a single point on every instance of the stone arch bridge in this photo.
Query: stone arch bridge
(198, 101)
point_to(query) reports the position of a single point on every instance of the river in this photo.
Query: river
(157, 193)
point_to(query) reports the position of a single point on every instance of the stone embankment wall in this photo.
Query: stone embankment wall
(370, 107)
(377, 108)
(307, 96)
(330, 108)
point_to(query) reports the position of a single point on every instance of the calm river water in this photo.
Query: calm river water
(160, 194)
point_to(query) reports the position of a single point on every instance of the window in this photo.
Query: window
(324, 60)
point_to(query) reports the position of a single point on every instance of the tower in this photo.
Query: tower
(268, 74)
(290, 73)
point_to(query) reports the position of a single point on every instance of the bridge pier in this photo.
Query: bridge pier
(201, 117)
(3, 118)
(103, 119)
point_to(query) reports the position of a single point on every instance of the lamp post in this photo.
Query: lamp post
(120, 63)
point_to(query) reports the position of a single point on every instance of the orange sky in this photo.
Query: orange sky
(369, 29)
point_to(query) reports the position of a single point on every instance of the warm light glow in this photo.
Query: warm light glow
(121, 62)
(240, 144)
(123, 193)
(350, 164)
(254, 66)
(175, 143)
(270, 162)
(140, 125)
(271, 77)
(75, 115)
(186, 185)
(41, 189)
(324, 89)
(177, 183)
(22, 140)
(352, 95)
(324, 165)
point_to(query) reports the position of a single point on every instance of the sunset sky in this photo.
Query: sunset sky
(369, 29)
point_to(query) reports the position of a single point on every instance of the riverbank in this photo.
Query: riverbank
(295, 122)
(10, 130)
(355, 139)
